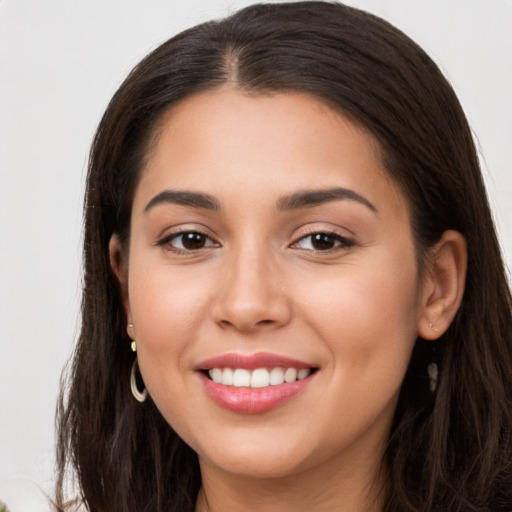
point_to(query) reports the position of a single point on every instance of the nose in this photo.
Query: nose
(251, 295)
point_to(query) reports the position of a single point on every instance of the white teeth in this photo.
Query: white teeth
(290, 375)
(241, 378)
(303, 373)
(216, 375)
(227, 377)
(258, 378)
(276, 376)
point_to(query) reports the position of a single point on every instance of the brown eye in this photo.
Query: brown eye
(193, 240)
(188, 241)
(323, 242)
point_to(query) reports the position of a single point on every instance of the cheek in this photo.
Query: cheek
(367, 315)
(167, 306)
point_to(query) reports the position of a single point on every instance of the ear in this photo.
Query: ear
(119, 264)
(443, 285)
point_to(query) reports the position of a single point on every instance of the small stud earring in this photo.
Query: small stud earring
(130, 326)
(134, 346)
(432, 326)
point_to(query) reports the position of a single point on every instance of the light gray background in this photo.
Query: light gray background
(60, 62)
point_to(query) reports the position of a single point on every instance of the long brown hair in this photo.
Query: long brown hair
(450, 450)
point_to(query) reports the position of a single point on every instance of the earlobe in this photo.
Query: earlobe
(120, 269)
(443, 285)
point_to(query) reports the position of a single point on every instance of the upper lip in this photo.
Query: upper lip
(251, 362)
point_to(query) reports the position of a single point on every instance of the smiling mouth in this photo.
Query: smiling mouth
(255, 383)
(258, 377)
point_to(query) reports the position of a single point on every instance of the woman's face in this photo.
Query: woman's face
(270, 249)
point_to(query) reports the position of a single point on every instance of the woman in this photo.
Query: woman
(291, 264)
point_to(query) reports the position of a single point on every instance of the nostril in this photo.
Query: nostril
(260, 323)
(250, 313)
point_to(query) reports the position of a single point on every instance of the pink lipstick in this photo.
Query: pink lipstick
(251, 384)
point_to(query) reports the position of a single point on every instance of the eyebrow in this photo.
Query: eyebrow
(303, 199)
(310, 198)
(184, 198)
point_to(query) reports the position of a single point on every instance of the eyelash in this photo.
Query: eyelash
(167, 241)
(340, 242)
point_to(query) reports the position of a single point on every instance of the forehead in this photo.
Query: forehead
(225, 140)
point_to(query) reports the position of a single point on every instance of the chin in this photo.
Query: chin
(264, 458)
(264, 466)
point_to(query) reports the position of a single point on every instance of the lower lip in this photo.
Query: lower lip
(247, 400)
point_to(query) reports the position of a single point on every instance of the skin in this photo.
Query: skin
(259, 284)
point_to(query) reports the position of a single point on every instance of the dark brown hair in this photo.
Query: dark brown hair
(449, 450)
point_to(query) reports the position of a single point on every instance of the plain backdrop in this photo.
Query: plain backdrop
(60, 62)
